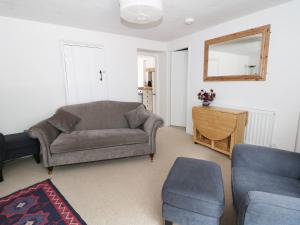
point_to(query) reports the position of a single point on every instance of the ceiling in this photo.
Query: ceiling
(103, 15)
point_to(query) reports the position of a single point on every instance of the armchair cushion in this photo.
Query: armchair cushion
(64, 121)
(245, 180)
(137, 116)
(267, 208)
(95, 139)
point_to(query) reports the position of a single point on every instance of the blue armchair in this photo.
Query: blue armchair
(266, 185)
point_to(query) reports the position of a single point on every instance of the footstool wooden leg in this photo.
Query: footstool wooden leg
(168, 222)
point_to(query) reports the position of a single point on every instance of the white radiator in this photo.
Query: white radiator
(260, 126)
(259, 130)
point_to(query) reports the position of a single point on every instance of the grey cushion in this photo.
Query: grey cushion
(64, 121)
(92, 139)
(195, 185)
(137, 116)
(245, 180)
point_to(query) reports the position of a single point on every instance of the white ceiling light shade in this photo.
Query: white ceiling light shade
(141, 11)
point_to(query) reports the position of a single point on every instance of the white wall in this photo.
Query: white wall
(279, 93)
(31, 68)
(140, 62)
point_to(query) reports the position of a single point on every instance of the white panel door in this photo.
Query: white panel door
(85, 80)
(178, 88)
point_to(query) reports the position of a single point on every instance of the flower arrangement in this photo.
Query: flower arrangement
(206, 96)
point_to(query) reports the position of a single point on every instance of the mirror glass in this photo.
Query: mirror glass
(235, 57)
(241, 56)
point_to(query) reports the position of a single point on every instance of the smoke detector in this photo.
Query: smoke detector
(189, 21)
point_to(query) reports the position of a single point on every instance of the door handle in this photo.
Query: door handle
(101, 76)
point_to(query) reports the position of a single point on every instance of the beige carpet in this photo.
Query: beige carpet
(123, 191)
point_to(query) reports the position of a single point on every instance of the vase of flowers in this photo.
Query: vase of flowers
(206, 96)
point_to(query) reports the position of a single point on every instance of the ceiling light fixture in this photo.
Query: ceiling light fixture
(141, 11)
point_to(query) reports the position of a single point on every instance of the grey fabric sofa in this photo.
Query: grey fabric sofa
(266, 185)
(102, 133)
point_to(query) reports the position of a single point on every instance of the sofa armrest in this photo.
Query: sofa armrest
(268, 208)
(276, 161)
(46, 134)
(150, 127)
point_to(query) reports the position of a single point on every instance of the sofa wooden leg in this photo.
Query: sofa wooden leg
(50, 170)
(168, 222)
(36, 157)
(151, 157)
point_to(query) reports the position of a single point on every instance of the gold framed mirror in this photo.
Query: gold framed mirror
(239, 56)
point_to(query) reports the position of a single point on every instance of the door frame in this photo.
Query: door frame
(64, 65)
(189, 124)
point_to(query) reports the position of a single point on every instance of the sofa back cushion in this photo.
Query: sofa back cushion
(101, 114)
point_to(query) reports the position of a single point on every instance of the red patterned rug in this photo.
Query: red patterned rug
(39, 204)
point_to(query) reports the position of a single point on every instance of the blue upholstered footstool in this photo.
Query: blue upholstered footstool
(193, 193)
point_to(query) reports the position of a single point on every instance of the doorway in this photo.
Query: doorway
(178, 88)
(147, 74)
(85, 75)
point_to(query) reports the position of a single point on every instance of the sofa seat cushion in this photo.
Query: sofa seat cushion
(245, 180)
(93, 139)
(195, 185)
